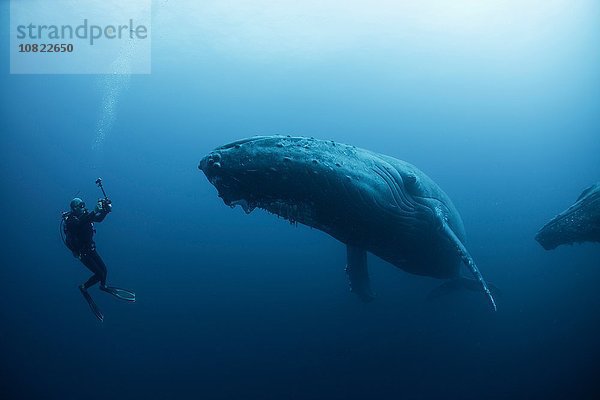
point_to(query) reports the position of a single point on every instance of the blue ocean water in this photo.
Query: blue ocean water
(497, 102)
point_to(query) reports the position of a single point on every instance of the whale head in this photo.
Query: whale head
(253, 172)
(578, 223)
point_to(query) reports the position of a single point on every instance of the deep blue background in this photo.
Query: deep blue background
(235, 306)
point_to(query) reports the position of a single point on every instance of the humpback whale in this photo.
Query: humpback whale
(578, 223)
(368, 201)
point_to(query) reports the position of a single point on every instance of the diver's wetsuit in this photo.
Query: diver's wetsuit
(79, 232)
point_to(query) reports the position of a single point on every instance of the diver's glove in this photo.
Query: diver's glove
(103, 206)
(107, 205)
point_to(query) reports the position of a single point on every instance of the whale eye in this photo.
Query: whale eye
(411, 183)
(410, 180)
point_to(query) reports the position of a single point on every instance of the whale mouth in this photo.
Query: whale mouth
(288, 210)
(230, 194)
(244, 205)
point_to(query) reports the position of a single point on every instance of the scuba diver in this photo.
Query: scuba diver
(78, 230)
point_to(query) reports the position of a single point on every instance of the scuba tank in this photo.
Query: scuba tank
(64, 233)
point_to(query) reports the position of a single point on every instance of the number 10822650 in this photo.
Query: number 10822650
(45, 48)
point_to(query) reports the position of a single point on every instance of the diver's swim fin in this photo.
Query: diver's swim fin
(93, 305)
(119, 293)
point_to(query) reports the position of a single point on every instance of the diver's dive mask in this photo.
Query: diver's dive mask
(77, 206)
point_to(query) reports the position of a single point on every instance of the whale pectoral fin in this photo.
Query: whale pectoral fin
(455, 284)
(468, 260)
(358, 273)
